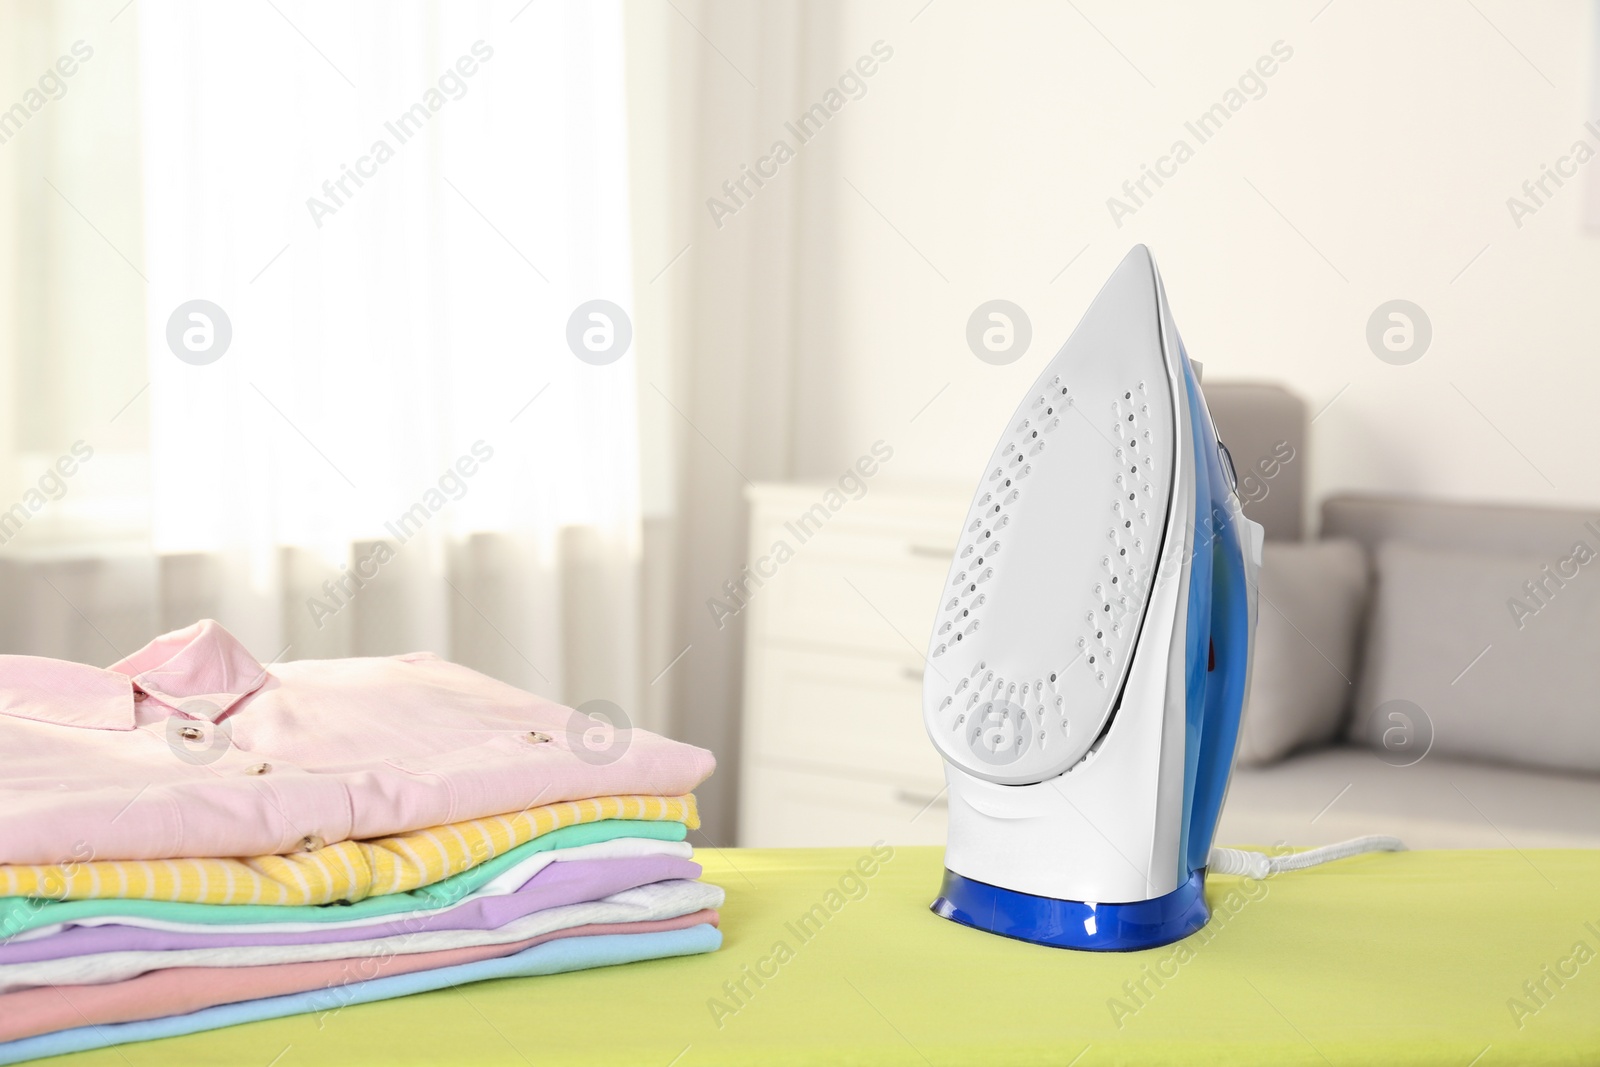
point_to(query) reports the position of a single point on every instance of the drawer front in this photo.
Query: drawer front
(784, 808)
(836, 712)
(863, 588)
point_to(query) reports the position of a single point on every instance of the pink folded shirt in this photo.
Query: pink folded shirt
(181, 990)
(190, 747)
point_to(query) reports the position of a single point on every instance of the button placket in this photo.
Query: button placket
(309, 842)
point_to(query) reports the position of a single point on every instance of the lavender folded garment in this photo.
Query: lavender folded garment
(568, 882)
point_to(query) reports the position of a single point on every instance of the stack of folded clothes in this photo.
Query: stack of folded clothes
(189, 839)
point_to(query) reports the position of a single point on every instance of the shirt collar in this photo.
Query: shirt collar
(201, 670)
(64, 693)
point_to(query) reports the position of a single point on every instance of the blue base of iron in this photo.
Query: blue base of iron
(1075, 923)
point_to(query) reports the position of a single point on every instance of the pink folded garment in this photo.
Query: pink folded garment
(192, 747)
(181, 990)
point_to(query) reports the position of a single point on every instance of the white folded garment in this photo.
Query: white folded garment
(660, 900)
(508, 881)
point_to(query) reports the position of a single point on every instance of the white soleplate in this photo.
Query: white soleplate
(1048, 589)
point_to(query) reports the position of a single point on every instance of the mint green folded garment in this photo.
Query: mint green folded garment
(18, 914)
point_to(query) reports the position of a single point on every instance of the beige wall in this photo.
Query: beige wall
(1390, 140)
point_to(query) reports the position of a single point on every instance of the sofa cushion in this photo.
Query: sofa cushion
(1496, 655)
(1331, 794)
(1264, 428)
(1308, 622)
(1372, 520)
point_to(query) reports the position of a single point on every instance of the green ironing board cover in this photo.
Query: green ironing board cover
(1476, 958)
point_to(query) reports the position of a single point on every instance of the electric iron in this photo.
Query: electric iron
(1091, 653)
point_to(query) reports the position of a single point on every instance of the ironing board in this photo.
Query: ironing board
(1397, 959)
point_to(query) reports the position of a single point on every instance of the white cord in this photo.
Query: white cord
(1259, 865)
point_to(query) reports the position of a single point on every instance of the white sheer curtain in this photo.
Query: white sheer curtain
(397, 207)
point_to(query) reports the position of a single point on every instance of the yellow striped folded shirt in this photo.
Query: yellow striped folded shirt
(350, 870)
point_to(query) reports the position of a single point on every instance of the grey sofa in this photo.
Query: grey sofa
(1424, 669)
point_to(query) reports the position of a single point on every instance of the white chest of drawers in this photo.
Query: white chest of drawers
(833, 749)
